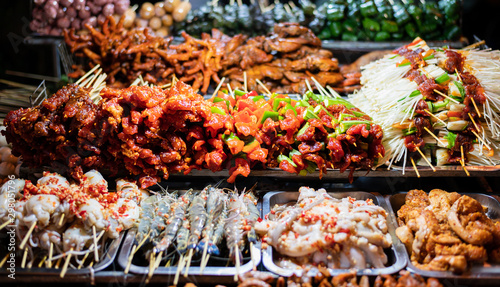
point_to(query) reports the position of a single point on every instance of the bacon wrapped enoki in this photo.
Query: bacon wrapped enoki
(437, 102)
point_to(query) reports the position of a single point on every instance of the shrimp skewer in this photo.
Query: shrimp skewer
(234, 230)
(251, 215)
(215, 237)
(175, 221)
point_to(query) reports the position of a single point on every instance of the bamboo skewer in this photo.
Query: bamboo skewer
(473, 121)
(230, 90)
(25, 255)
(87, 74)
(180, 266)
(426, 160)
(130, 257)
(434, 116)
(27, 236)
(462, 161)
(263, 86)
(4, 224)
(481, 140)
(475, 106)
(4, 260)
(58, 262)
(152, 262)
(51, 250)
(458, 75)
(96, 254)
(333, 92)
(218, 87)
(42, 261)
(414, 166)
(61, 219)
(444, 95)
(66, 263)
(237, 263)
(432, 134)
(308, 85)
(320, 87)
(188, 262)
(83, 260)
(203, 257)
(245, 81)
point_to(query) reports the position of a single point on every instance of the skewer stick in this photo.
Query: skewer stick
(444, 95)
(4, 224)
(218, 87)
(206, 260)
(462, 161)
(239, 3)
(473, 121)
(319, 86)
(180, 266)
(87, 74)
(158, 259)
(432, 134)
(25, 255)
(66, 263)
(475, 45)
(188, 262)
(61, 219)
(434, 116)
(414, 166)
(458, 75)
(237, 263)
(152, 263)
(308, 86)
(252, 255)
(96, 254)
(168, 263)
(263, 86)
(475, 106)
(58, 262)
(481, 140)
(27, 236)
(42, 261)
(83, 260)
(230, 90)
(245, 81)
(130, 257)
(51, 250)
(203, 257)
(333, 92)
(426, 160)
(4, 260)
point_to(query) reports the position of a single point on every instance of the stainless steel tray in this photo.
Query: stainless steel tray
(397, 200)
(396, 254)
(106, 258)
(194, 271)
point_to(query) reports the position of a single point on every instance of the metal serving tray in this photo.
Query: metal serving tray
(223, 274)
(493, 272)
(396, 254)
(106, 258)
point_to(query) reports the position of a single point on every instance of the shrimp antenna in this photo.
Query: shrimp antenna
(163, 190)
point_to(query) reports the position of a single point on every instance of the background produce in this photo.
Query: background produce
(51, 16)
(383, 20)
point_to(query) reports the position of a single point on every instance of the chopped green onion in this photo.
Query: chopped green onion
(257, 98)
(344, 126)
(451, 137)
(217, 110)
(442, 79)
(239, 92)
(282, 157)
(268, 114)
(407, 132)
(429, 57)
(303, 129)
(309, 114)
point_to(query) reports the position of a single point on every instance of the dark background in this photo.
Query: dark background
(480, 18)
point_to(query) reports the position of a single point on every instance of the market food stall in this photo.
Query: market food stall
(229, 144)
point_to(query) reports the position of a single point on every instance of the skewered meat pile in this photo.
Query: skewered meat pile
(441, 103)
(321, 230)
(283, 61)
(153, 132)
(323, 279)
(59, 219)
(446, 231)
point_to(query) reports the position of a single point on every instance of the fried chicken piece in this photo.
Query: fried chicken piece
(306, 51)
(427, 225)
(468, 220)
(415, 201)
(406, 236)
(314, 63)
(441, 202)
(409, 280)
(472, 253)
(345, 280)
(455, 263)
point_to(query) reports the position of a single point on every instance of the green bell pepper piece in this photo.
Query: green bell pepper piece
(389, 26)
(268, 114)
(335, 29)
(347, 36)
(368, 9)
(382, 36)
(371, 25)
